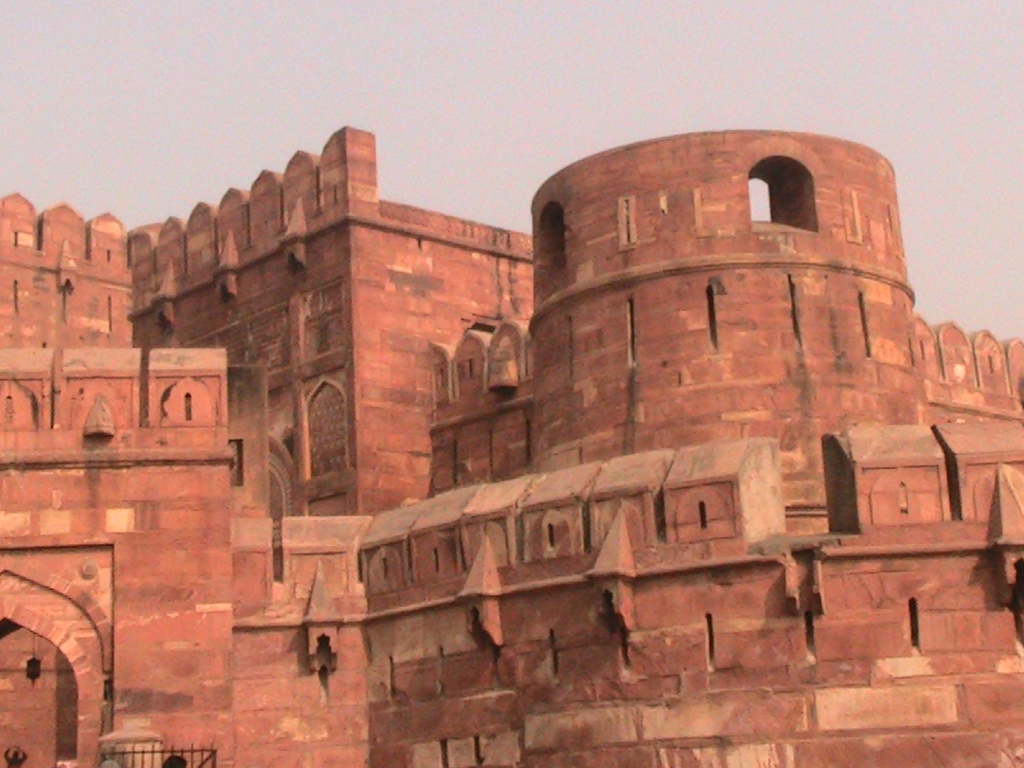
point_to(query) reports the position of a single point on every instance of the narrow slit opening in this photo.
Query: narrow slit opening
(631, 333)
(709, 630)
(712, 317)
(812, 651)
(864, 323)
(915, 624)
(794, 311)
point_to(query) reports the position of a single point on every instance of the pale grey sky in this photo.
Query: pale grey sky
(144, 109)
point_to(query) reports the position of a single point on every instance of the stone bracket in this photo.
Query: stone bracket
(804, 583)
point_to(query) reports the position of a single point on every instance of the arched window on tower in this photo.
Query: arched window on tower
(790, 193)
(328, 433)
(549, 249)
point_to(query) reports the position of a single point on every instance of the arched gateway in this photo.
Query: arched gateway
(54, 657)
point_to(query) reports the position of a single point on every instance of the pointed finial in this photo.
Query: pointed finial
(296, 222)
(168, 287)
(320, 603)
(616, 555)
(228, 257)
(483, 579)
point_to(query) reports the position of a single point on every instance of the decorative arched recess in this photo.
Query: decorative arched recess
(327, 428)
(283, 502)
(77, 630)
(187, 403)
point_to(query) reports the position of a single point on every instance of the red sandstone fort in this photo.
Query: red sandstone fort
(316, 480)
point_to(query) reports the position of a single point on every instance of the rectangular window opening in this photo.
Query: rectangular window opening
(14, 289)
(110, 316)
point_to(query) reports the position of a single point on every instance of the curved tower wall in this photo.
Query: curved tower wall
(665, 316)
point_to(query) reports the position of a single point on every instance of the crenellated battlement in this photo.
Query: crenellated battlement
(968, 375)
(63, 280)
(281, 212)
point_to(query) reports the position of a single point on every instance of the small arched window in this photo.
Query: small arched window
(551, 274)
(550, 240)
(790, 192)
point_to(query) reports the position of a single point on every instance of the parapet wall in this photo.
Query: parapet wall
(63, 281)
(96, 402)
(279, 211)
(653, 605)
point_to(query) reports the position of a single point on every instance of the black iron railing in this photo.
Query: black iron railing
(159, 757)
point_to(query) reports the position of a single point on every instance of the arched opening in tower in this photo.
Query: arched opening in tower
(789, 188)
(549, 249)
(38, 697)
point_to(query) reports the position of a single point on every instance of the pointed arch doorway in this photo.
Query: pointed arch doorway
(38, 697)
(58, 715)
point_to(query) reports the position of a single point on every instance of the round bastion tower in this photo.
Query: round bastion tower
(665, 316)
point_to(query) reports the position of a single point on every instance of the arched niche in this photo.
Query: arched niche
(282, 501)
(187, 403)
(990, 363)
(441, 375)
(385, 570)
(327, 421)
(471, 363)
(549, 250)
(956, 355)
(925, 351)
(19, 407)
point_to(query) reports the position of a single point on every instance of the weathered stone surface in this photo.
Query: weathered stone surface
(722, 501)
(848, 709)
